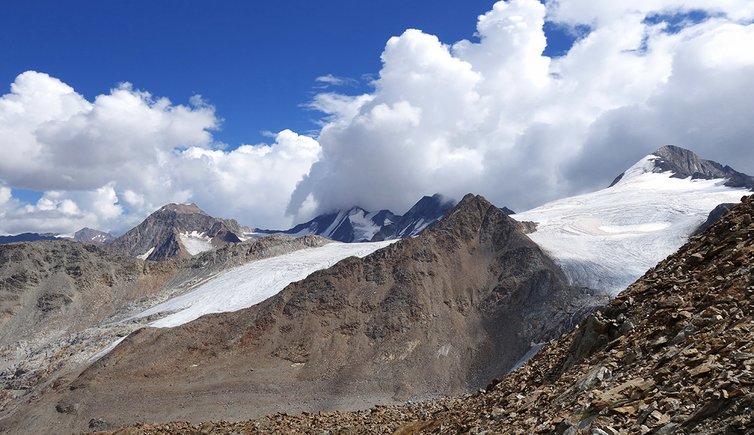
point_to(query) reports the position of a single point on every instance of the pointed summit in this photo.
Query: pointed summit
(606, 239)
(177, 230)
(89, 235)
(684, 163)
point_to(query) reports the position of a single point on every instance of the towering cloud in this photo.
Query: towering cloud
(492, 115)
(109, 162)
(498, 117)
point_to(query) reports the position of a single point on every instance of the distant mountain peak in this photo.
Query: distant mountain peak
(356, 224)
(684, 163)
(181, 208)
(90, 235)
(177, 230)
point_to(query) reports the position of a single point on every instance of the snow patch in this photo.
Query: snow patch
(195, 242)
(363, 226)
(607, 239)
(252, 283)
(146, 255)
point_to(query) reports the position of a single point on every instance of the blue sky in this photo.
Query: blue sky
(522, 113)
(255, 61)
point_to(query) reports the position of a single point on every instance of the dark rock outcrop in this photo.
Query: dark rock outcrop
(715, 215)
(359, 225)
(424, 213)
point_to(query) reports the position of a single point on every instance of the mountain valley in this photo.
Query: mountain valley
(192, 317)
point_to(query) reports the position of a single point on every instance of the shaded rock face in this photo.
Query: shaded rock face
(89, 235)
(61, 303)
(46, 284)
(674, 353)
(437, 314)
(50, 289)
(352, 225)
(427, 211)
(684, 163)
(159, 236)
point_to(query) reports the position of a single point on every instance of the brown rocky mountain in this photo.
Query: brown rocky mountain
(48, 287)
(673, 354)
(438, 314)
(62, 302)
(50, 293)
(176, 231)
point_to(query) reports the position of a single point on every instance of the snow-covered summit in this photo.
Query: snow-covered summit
(607, 239)
(682, 163)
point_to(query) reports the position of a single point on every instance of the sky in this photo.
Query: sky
(272, 112)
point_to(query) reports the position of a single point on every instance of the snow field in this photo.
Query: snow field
(607, 239)
(252, 283)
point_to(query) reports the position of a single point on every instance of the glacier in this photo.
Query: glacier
(607, 239)
(249, 284)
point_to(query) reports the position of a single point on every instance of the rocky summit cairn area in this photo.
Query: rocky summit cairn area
(674, 353)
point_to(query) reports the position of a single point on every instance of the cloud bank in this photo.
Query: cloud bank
(499, 118)
(110, 162)
(492, 115)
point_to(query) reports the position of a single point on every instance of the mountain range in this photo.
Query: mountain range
(673, 354)
(358, 225)
(187, 316)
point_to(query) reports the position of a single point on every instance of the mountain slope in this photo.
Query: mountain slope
(606, 239)
(673, 354)
(176, 230)
(425, 316)
(62, 302)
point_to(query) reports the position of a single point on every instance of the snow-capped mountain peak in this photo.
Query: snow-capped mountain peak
(685, 164)
(606, 239)
(359, 225)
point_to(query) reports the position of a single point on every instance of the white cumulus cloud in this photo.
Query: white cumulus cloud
(109, 162)
(497, 117)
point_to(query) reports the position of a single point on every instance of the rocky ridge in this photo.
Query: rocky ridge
(674, 353)
(28, 237)
(359, 225)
